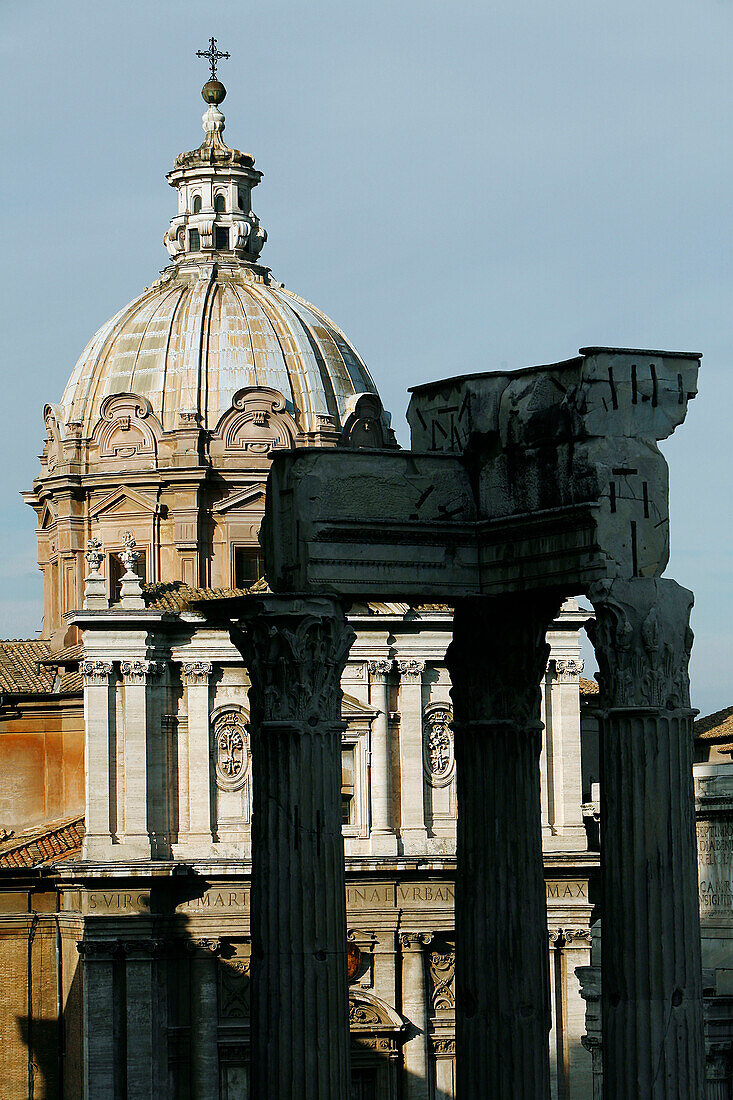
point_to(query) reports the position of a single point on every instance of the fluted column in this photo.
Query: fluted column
(412, 784)
(414, 1007)
(651, 987)
(295, 650)
(204, 1019)
(496, 660)
(383, 837)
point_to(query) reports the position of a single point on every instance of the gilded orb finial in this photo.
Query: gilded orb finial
(213, 90)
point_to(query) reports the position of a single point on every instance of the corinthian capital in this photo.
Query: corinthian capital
(380, 668)
(411, 669)
(642, 640)
(415, 941)
(567, 669)
(498, 657)
(295, 650)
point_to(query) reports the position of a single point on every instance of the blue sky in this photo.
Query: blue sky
(461, 186)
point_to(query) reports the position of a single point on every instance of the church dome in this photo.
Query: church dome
(206, 330)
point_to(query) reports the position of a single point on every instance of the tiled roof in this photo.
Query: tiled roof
(715, 727)
(43, 844)
(177, 596)
(588, 687)
(27, 667)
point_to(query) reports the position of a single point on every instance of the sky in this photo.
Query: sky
(462, 186)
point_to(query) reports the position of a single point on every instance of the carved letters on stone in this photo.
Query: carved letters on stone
(96, 672)
(231, 747)
(438, 744)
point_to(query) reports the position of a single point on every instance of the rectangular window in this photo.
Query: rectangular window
(194, 241)
(247, 566)
(221, 236)
(347, 784)
(116, 569)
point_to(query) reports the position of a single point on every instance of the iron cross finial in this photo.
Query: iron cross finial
(213, 56)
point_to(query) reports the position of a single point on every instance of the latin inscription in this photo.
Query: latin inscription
(563, 890)
(715, 866)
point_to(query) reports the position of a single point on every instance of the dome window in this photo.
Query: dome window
(242, 199)
(196, 204)
(194, 241)
(220, 204)
(221, 236)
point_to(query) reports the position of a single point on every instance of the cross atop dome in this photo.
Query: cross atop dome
(213, 55)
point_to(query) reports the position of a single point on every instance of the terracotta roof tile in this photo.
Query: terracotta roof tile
(715, 727)
(177, 596)
(45, 843)
(588, 687)
(20, 668)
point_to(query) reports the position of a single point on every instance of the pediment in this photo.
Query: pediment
(368, 1013)
(47, 517)
(251, 498)
(123, 500)
(352, 708)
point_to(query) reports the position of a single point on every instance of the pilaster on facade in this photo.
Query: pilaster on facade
(560, 760)
(383, 838)
(415, 1001)
(100, 765)
(413, 831)
(138, 737)
(195, 792)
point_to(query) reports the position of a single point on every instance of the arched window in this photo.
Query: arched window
(196, 204)
(219, 204)
(242, 199)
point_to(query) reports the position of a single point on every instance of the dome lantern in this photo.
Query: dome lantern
(214, 184)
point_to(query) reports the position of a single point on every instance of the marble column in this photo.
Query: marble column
(414, 1007)
(412, 784)
(195, 675)
(204, 1019)
(136, 672)
(383, 838)
(496, 661)
(295, 650)
(651, 985)
(100, 766)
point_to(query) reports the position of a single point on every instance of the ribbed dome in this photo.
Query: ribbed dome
(206, 330)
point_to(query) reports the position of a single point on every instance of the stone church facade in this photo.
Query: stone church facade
(125, 955)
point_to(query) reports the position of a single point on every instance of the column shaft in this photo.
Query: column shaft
(196, 677)
(651, 988)
(414, 1007)
(383, 837)
(99, 765)
(204, 1021)
(496, 660)
(412, 787)
(295, 651)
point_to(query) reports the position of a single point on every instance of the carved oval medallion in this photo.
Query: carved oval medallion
(438, 744)
(231, 748)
